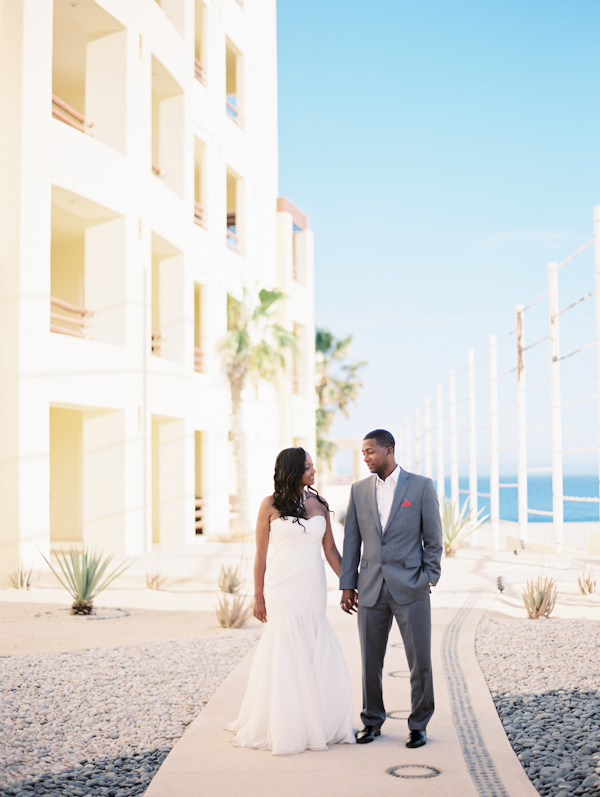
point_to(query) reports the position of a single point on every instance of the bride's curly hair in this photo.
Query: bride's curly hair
(290, 466)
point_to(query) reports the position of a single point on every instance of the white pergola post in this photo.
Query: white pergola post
(454, 494)
(427, 438)
(418, 463)
(597, 270)
(439, 442)
(557, 457)
(407, 447)
(521, 430)
(494, 462)
(472, 443)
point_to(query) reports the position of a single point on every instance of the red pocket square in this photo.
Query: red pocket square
(406, 503)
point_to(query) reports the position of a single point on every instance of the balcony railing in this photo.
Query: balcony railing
(199, 360)
(233, 241)
(65, 113)
(158, 342)
(79, 320)
(200, 71)
(232, 110)
(199, 214)
(199, 515)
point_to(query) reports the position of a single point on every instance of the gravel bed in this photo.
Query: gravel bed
(544, 677)
(101, 721)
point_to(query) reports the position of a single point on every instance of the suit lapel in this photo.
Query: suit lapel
(373, 503)
(401, 488)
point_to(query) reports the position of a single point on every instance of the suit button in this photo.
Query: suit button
(383, 563)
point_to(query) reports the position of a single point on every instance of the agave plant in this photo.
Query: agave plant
(234, 614)
(155, 580)
(457, 524)
(21, 578)
(84, 576)
(539, 597)
(230, 579)
(587, 582)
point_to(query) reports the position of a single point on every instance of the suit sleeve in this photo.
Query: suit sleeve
(432, 532)
(351, 551)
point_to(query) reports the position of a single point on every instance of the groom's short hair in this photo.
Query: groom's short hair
(382, 438)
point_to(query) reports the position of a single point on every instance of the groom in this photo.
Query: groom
(394, 517)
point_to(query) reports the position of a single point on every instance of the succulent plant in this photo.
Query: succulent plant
(539, 597)
(588, 582)
(234, 614)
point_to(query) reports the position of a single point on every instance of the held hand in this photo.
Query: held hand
(349, 600)
(260, 611)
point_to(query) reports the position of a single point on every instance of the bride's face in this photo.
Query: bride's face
(309, 472)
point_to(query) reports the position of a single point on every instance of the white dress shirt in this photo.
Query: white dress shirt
(384, 493)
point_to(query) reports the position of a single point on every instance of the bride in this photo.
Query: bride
(298, 695)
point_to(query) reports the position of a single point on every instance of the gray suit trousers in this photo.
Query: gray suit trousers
(414, 622)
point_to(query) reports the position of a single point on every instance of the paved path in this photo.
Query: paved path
(467, 755)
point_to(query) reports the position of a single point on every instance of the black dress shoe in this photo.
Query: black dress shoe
(416, 739)
(367, 734)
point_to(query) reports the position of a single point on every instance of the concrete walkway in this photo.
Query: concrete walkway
(467, 753)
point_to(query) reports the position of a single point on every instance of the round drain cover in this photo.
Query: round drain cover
(400, 714)
(414, 771)
(400, 673)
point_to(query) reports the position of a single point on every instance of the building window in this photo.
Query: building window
(168, 327)
(200, 41)
(199, 484)
(199, 364)
(88, 72)
(167, 127)
(87, 268)
(199, 159)
(234, 214)
(174, 10)
(233, 82)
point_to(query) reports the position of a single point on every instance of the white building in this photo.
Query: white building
(138, 154)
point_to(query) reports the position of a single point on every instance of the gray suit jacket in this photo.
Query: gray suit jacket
(407, 552)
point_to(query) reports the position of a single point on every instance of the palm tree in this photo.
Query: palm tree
(338, 386)
(253, 349)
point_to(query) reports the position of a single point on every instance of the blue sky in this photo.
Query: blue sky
(445, 152)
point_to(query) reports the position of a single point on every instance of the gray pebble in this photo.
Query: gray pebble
(545, 682)
(111, 714)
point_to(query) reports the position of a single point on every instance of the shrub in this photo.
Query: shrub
(234, 614)
(230, 579)
(155, 580)
(587, 582)
(21, 578)
(539, 597)
(82, 576)
(458, 524)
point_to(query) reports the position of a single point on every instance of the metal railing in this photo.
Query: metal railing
(232, 110)
(78, 321)
(158, 342)
(233, 241)
(199, 214)
(411, 434)
(199, 515)
(200, 71)
(70, 116)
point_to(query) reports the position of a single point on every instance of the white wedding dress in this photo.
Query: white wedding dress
(298, 695)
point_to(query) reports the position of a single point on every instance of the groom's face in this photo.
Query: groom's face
(376, 457)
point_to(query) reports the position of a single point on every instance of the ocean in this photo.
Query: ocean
(539, 489)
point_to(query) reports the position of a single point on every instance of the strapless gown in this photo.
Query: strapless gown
(298, 695)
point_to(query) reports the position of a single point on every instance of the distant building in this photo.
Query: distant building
(138, 154)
